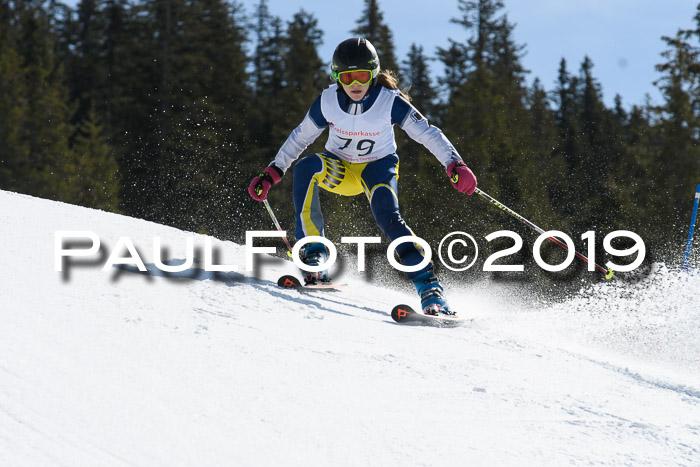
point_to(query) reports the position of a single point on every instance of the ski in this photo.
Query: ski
(291, 282)
(404, 314)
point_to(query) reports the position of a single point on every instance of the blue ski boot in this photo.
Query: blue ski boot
(314, 254)
(432, 299)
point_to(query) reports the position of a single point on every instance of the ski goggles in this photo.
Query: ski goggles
(348, 78)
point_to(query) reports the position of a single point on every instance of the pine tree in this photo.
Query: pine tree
(416, 74)
(268, 108)
(199, 110)
(454, 59)
(505, 132)
(86, 69)
(480, 17)
(15, 147)
(372, 27)
(548, 180)
(230, 99)
(173, 102)
(38, 123)
(596, 205)
(487, 110)
(628, 180)
(679, 126)
(220, 160)
(486, 117)
(92, 180)
(145, 126)
(570, 142)
(304, 74)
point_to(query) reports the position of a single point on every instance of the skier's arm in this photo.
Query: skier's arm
(418, 128)
(301, 137)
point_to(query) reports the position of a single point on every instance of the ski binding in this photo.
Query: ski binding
(292, 282)
(404, 314)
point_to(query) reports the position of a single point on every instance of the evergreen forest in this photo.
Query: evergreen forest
(166, 109)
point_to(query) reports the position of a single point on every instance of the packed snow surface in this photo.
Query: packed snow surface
(129, 368)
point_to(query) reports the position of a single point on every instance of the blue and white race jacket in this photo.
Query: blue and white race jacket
(363, 131)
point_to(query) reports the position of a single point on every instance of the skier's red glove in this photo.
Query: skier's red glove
(461, 177)
(262, 183)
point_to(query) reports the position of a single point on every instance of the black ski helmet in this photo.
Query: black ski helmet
(355, 53)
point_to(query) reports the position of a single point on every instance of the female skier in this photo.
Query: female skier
(360, 110)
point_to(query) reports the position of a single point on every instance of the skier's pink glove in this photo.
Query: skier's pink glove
(461, 177)
(262, 183)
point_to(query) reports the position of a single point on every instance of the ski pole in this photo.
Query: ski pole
(608, 272)
(692, 228)
(277, 224)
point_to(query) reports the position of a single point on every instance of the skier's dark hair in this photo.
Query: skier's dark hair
(389, 80)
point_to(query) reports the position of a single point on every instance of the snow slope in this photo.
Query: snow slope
(124, 368)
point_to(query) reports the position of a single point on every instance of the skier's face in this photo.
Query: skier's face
(356, 91)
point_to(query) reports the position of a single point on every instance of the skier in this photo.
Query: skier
(360, 110)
